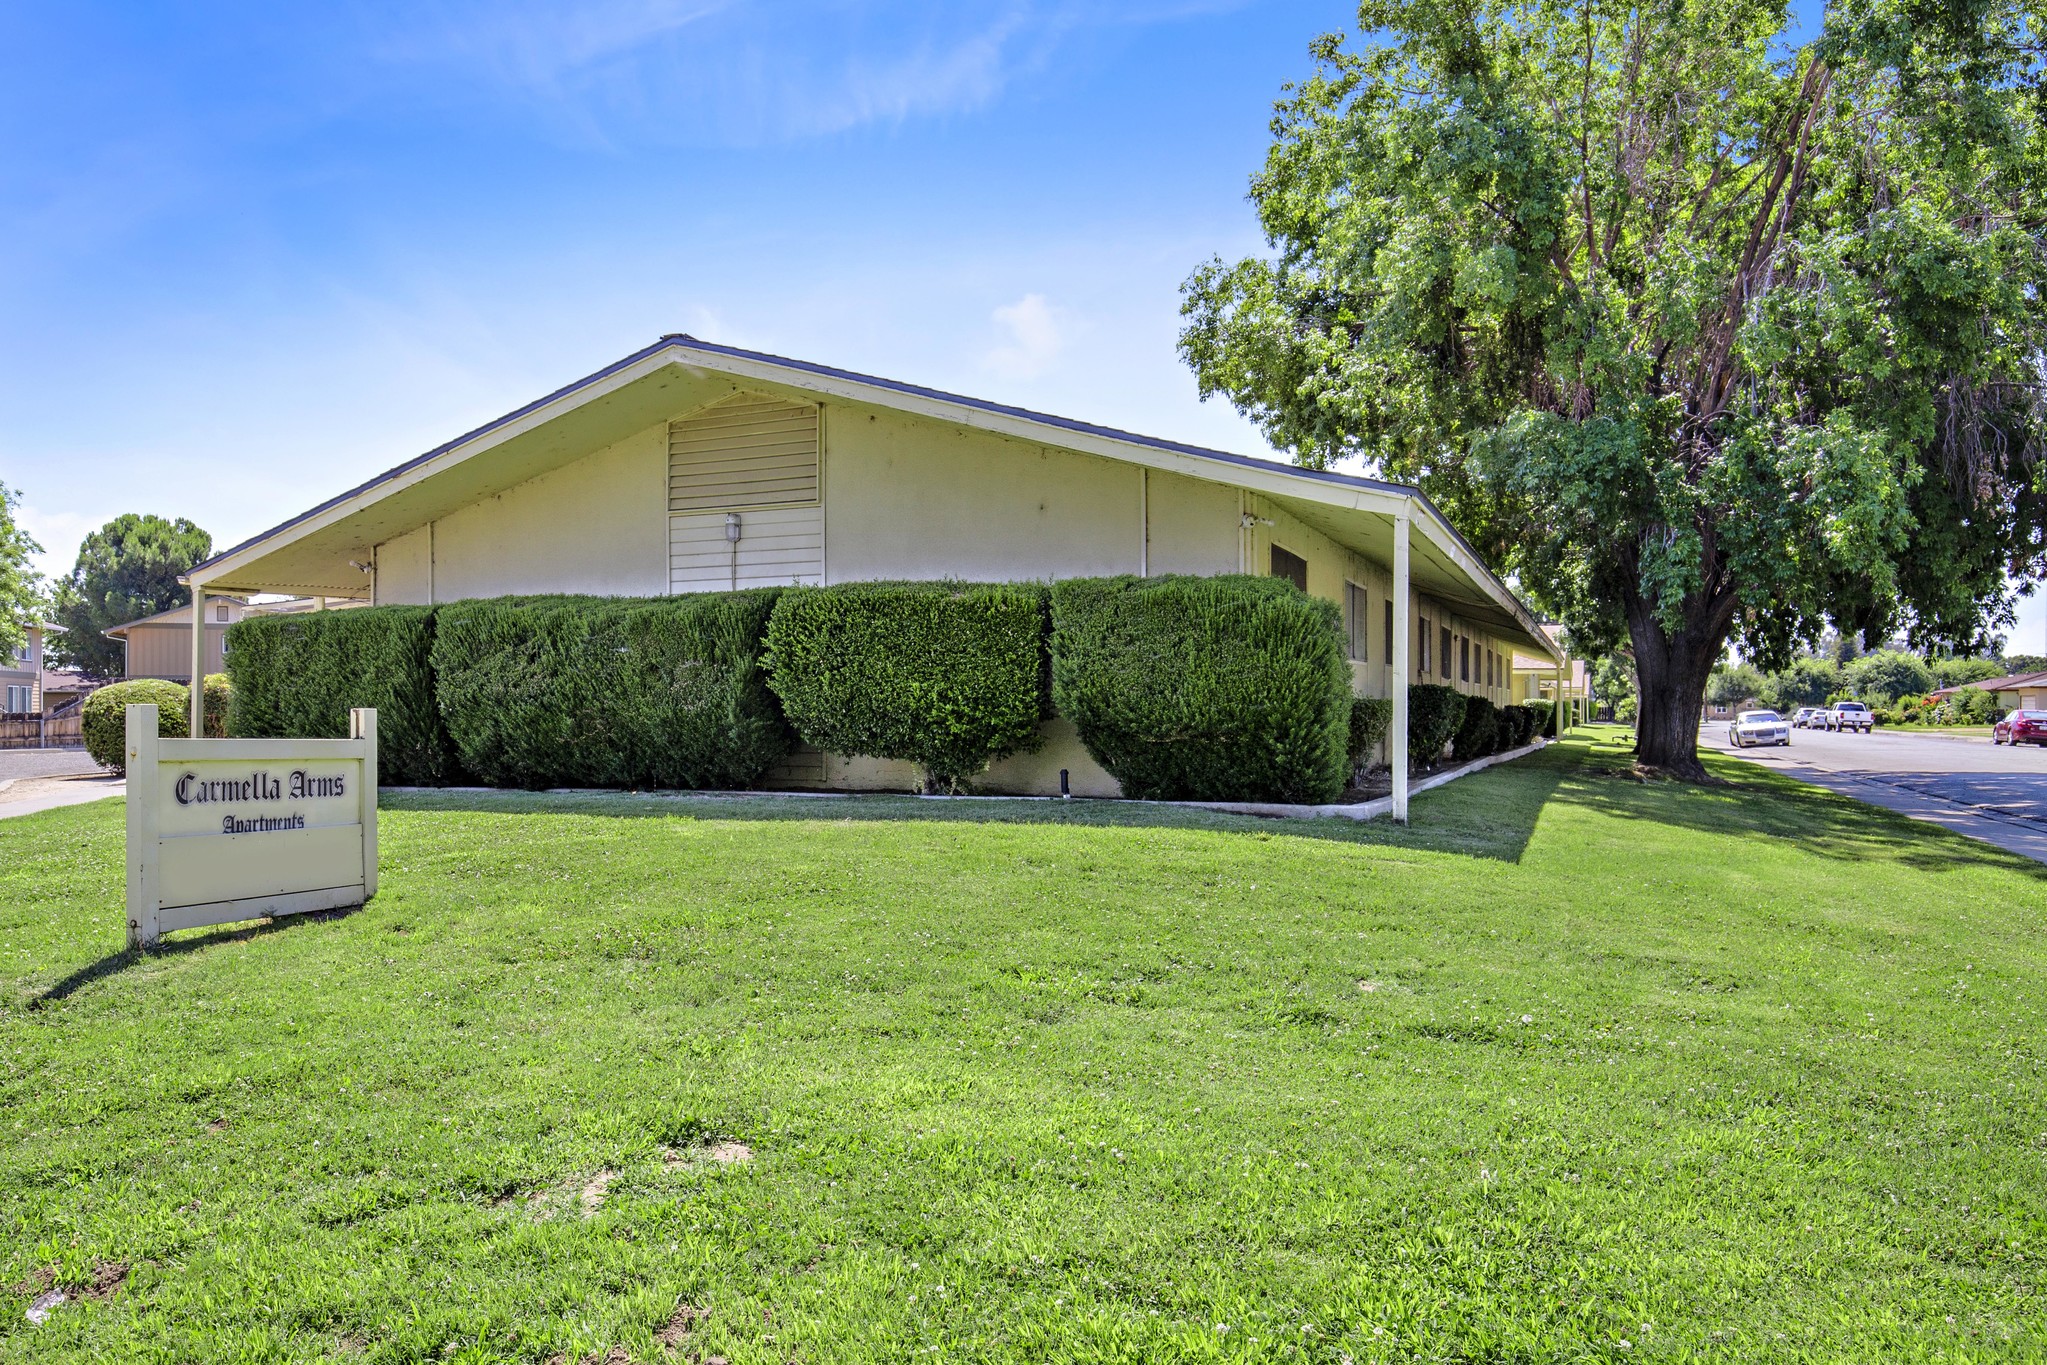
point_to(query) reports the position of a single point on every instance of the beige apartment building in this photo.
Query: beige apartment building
(695, 467)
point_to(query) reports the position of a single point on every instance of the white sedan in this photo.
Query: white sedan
(1758, 727)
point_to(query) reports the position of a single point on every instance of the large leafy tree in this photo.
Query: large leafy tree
(20, 587)
(127, 569)
(1704, 335)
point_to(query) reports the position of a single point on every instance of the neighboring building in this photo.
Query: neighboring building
(1722, 710)
(692, 467)
(21, 673)
(160, 646)
(62, 687)
(2013, 691)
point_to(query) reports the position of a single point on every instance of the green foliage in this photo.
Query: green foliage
(1545, 713)
(104, 717)
(1522, 719)
(1478, 732)
(609, 692)
(1957, 672)
(220, 691)
(2025, 663)
(1613, 682)
(1733, 684)
(1971, 706)
(298, 676)
(1808, 681)
(1434, 715)
(126, 570)
(1884, 675)
(21, 598)
(1527, 255)
(949, 676)
(1231, 688)
(1370, 720)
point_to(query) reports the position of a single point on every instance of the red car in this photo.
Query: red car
(2020, 727)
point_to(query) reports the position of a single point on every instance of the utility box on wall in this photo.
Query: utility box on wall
(221, 830)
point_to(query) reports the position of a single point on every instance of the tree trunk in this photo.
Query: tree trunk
(1672, 669)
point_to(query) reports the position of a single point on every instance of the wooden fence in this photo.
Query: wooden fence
(42, 732)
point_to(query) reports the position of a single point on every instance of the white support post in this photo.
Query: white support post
(198, 699)
(362, 726)
(143, 891)
(1403, 642)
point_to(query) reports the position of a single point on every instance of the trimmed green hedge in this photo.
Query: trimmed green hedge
(104, 717)
(1434, 713)
(1523, 721)
(298, 676)
(1544, 713)
(1478, 734)
(950, 676)
(609, 692)
(1370, 719)
(1231, 688)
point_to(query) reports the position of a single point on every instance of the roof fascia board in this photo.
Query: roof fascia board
(1444, 538)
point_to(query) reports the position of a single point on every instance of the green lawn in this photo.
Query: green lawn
(1576, 1069)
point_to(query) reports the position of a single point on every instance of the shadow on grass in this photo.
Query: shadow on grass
(113, 964)
(1749, 802)
(1490, 814)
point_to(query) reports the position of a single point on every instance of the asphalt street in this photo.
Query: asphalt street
(1986, 791)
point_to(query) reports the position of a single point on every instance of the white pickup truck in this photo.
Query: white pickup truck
(1850, 715)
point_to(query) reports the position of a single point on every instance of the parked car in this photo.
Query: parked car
(2020, 727)
(1758, 727)
(1850, 715)
(1806, 716)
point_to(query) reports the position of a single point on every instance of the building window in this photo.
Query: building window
(1464, 658)
(1422, 637)
(1443, 654)
(17, 700)
(1290, 566)
(1389, 630)
(1357, 618)
(220, 611)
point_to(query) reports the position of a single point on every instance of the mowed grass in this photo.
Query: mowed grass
(1576, 1069)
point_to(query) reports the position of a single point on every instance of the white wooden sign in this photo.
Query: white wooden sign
(232, 829)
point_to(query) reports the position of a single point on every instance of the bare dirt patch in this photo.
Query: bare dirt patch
(680, 1323)
(726, 1153)
(107, 1279)
(592, 1197)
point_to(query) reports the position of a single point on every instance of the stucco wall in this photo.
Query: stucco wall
(599, 525)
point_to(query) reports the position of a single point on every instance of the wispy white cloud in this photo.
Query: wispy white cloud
(1034, 342)
(680, 71)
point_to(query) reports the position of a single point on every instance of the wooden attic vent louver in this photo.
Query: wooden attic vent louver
(747, 451)
(753, 460)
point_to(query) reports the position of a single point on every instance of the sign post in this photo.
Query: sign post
(221, 830)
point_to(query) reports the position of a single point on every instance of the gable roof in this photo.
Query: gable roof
(1309, 488)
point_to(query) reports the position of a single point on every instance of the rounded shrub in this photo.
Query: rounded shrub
(1544, 713)
(949, 676)
(1231, 688)
(663, 692)
(1523, 721)
(1370, 719)
(298, 676)
(1478, 732)
(104, 717)
(1434, 715)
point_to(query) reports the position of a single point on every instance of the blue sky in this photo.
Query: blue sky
(255, 253)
